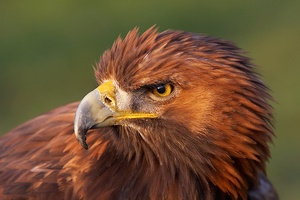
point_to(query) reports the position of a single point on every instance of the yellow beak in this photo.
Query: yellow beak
(99, 109)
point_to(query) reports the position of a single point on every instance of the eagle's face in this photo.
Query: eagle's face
(154, 83)
(192, 101)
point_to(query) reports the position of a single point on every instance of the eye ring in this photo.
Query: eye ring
(163, 90)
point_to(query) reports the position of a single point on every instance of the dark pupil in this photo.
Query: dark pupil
(161, 89)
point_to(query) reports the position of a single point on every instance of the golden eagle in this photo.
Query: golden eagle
(176, 115)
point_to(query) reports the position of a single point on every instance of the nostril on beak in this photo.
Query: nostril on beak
(108, 101)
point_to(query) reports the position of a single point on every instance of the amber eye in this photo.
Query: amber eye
(162, 90)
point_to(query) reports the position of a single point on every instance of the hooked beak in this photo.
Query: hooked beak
(99, 109)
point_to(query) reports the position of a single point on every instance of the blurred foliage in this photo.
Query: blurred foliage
(48, 48)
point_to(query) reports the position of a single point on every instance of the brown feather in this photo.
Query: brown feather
(210, 141)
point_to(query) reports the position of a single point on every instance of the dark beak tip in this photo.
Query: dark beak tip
(84, 145)
(82, 140)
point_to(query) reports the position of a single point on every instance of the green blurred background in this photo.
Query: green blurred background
(48, 48)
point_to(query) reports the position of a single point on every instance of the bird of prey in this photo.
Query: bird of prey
(176, 115)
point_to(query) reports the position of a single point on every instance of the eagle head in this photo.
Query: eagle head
(188, 109)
